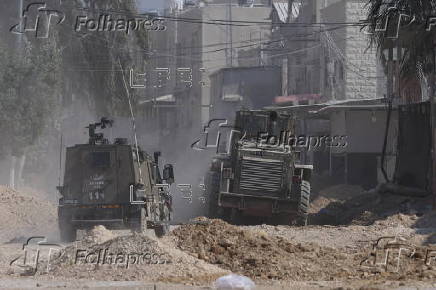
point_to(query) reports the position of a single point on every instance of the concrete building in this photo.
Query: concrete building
(351, 69)
(325, 51)
(199, 40)
(331, 71)
(359, 126)
(206, 45)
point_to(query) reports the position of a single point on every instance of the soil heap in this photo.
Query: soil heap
(24, 215)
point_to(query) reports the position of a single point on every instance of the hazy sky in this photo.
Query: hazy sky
(150, 4)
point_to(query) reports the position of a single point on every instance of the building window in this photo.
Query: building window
(341, 71)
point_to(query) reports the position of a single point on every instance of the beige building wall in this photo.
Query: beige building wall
(214, 40)
(353, 69)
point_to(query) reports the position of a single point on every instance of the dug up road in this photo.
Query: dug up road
(356, 240)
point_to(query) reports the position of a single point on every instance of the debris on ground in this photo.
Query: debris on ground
(234, 282)
(203, 250)
(267, 256)
(257, 255)
(347, 204)
(99, 234)
(24, 215)
(131, 257)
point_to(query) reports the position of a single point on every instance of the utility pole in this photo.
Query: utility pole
(390, 93)
(12, 180)
(20, 15)
(433, 127)
(290, 5)
(285, 60)
(229, 34)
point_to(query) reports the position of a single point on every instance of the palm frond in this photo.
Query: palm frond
(404, 23)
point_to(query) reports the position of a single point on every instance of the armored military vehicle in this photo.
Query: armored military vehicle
(113, 184)
(258, 174)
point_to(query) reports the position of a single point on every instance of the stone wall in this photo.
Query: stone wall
(360, 62)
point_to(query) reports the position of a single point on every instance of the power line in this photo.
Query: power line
(253, 57)
(227, 21)
(216, 50)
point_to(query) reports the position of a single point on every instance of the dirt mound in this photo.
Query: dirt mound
(344, 205)
(262, 256)
(98, 249)
(327, 208)
(258, 255)
(99, 235)
(24, 215)
(132, 257)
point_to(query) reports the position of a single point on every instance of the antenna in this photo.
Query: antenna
(60, 158)
(133, 120)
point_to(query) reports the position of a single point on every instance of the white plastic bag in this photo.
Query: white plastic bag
(234, 282)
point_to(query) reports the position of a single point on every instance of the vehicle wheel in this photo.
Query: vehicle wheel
(141, 225)
(161, 230)
(143, 222)
(236, 216)
(303, 206)
(285, 219)
(212, 192)
(164, 227)
(67, 231)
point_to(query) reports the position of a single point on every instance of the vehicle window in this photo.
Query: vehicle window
(100, 159)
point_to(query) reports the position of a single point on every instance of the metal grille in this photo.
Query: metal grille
(261, 175)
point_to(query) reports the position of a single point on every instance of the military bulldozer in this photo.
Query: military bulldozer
(113, 184)
(257, 173)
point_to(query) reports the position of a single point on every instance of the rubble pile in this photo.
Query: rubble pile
(257, 255)
(405, 262)
(103, 255)
(100, 248)
(99, 235)
(24, 214)
(344, 205)
(262, 256)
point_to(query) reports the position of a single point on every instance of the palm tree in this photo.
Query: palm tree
(410, 18)
(407, 25)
